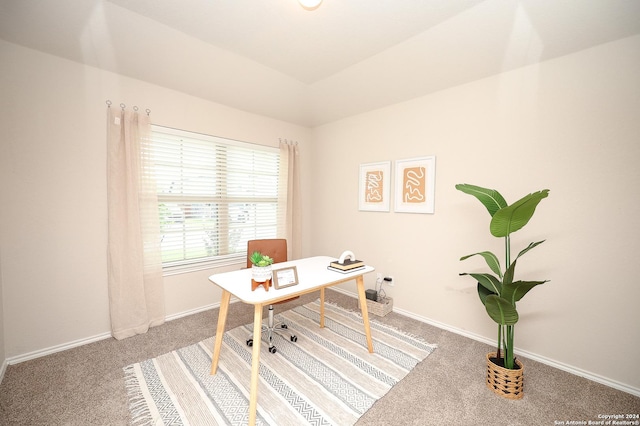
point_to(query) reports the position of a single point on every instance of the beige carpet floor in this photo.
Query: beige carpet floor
(85, 385)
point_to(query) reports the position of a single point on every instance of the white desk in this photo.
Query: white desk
(313, 275)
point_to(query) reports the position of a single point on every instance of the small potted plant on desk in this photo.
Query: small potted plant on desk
(260, 270)
(499, 291)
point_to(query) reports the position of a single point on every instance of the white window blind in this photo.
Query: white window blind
(214, 195)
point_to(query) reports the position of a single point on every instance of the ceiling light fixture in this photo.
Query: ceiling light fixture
(310, 4)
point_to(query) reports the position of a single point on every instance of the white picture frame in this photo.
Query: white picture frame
(374, 191)
(415, 185)
(285, 277)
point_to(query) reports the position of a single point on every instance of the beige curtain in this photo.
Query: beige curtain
(136, 291)
(289, 159)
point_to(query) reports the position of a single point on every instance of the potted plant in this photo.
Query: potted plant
(498, 289)
(261, 266)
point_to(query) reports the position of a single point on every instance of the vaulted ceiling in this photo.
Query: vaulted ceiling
(277, 59)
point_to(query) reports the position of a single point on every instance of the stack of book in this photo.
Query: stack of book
(346, 266)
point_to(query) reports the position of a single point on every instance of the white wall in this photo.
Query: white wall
(53, 222)
(570, 125)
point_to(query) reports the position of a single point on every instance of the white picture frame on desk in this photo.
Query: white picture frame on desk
(415, 185)
(285, 277)
(375, 187)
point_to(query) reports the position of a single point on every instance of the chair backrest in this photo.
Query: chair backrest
(275, 248)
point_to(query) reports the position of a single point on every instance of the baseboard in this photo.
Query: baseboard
(542, 359)
(3, 368)
(191, 312)
(80, 342)
(58, 348)
(198, 310)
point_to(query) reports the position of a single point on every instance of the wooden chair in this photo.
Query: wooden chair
(276, 249)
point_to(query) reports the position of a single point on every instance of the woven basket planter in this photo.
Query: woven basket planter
(504, 382)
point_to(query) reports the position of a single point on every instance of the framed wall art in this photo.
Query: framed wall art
(375, 187)
(415, 185)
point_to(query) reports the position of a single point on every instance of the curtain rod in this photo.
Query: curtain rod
(123, 106)
(289, 142)
(148, 111)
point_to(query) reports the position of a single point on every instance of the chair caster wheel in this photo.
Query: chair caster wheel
(284, 326)
(249, 342)
(294, 338)
(272, 349)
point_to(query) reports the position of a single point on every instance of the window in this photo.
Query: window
(214, 195)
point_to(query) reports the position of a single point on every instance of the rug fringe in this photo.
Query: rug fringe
(140, 413)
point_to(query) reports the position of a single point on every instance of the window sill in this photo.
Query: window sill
(222, 261)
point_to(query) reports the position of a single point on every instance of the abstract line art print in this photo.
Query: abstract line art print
(375, 187)
(415, 185)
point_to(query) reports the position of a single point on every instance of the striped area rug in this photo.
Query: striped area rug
(326, 378)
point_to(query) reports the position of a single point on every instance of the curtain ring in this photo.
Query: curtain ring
(135, 108)
(123, 106)
(109, 103)
(148, 111)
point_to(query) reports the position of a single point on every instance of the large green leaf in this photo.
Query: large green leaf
(500, 310)
(515, 291)
(529, 247)
(514, 217)
(490, 198)
(509, 273)
(490, 282)
(491, 259)
(483, 292)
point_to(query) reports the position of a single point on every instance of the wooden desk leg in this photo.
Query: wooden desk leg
(365, 312)
(322, 307)
(222, 320)
(255, 364)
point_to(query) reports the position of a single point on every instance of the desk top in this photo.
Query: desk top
(312, 275)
